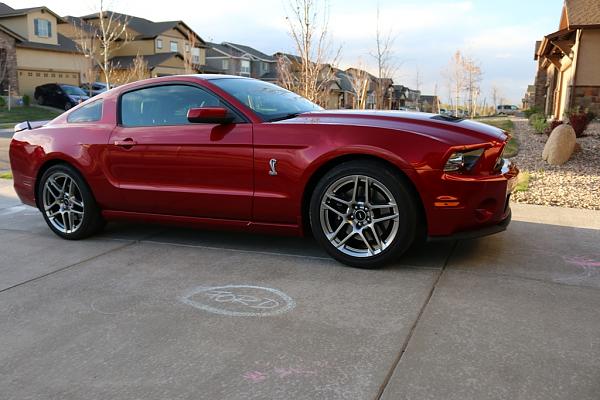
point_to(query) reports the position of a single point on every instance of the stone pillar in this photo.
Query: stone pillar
(7, 44)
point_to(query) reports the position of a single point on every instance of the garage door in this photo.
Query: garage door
(29, 79)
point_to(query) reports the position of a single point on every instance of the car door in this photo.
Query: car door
(163, 164)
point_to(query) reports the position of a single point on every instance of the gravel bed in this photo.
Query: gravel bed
(575, 184)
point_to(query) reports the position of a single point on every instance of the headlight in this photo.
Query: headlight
(462, 161)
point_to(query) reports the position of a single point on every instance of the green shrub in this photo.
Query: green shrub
(26, 100)
(2, 102)
(530, 111)
(537, 121)
(539, 125)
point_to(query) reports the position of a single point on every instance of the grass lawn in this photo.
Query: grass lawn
(512, 147)
(20, 114)
(6, 175)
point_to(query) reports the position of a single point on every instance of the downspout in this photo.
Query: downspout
(575, 58)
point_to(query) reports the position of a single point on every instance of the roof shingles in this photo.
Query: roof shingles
(582, 13)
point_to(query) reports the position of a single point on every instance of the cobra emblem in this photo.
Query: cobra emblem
(273, 166)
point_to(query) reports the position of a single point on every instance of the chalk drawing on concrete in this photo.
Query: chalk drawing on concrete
(239, 300)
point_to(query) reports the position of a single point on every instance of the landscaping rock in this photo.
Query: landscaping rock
(577, 148)
(560, 145)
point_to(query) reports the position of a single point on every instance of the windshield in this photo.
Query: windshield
(269, 101)
(72, 90)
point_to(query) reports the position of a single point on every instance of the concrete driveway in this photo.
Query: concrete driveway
(146, 312)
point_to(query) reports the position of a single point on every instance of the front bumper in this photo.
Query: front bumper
(461, 206)
(476, 233)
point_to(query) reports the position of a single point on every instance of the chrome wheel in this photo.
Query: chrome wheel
(359, 216)
(63, 203)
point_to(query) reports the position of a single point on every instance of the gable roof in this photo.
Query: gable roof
(145, 28)
(580, 13)
(12, 34)
(251, 51)
(219, 50)
(7, 11)
(153, 60)
(65, 45)
(235, 50)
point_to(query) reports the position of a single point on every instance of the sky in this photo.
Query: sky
(499, 35)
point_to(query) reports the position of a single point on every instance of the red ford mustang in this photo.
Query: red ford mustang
(229, 152)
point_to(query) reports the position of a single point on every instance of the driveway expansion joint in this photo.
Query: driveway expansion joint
(67, 267)
(396, 362)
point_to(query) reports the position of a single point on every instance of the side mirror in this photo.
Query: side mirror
(209, 115)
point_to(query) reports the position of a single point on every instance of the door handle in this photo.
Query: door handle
(127, 143)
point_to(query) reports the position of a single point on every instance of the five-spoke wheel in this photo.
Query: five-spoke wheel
(67, 203)
(63, 203)
(363, 214)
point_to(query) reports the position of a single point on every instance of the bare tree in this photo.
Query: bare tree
(418, 79)
(455, 78)
(310, 73)
(361, 82)
(136, 72)
(188, 54)
(495, 97)
(98, 42)
(386, 67)
(473, 77)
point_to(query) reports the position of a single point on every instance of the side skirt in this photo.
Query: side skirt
(206, 223)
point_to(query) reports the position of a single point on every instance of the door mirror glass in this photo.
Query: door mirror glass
(209, 115)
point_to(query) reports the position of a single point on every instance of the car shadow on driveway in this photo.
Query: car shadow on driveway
(426, 255)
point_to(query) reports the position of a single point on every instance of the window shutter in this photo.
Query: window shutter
(49, 28)
(36, 30)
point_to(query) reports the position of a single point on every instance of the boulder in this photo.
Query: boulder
(560, 145)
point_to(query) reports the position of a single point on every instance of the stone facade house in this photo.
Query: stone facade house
(568, 61)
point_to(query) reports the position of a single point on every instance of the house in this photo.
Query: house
(405, 98)
(528, 98)
(165, 46)
(429, 104)
(237, 59)
(347, 94)
(568, 60)
(34, 50)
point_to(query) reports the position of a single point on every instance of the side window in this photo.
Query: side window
(164, 105)
(89, 113)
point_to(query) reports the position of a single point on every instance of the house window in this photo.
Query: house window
(225, 64)
(265, 67)
(159, 43)
(245, 67)
(187, 47)
(42, 28)
(196, 59)
(173, 46)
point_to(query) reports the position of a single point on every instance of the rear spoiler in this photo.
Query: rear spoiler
(23, 126)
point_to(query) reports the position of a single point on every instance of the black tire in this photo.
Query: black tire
(68, 106)
(40, 100)
(407, 211)
(91, 222)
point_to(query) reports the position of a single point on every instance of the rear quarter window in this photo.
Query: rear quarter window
(89, 113)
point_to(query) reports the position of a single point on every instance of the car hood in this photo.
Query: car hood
(447, 129)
